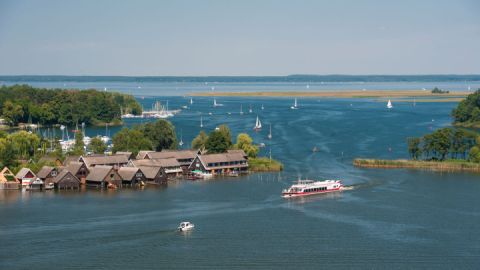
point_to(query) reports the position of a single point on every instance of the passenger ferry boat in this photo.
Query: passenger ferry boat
(310, 187)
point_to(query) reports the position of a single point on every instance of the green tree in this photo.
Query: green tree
(161, 134)
(79, 148)
(216, 142)
(11, 112)
(131, 140)
(468, 110)
(200, 141)
(24, 143)
(245, 143)
(225, 131)
(97, 145)
(414, 147)
(8, 156)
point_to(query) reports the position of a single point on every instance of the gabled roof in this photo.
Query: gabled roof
(7, 176)
(105, 160)
(23, 172)
(45, 171)
(62, 174)
(125, 153)
(128, 173)
(164, 163)
(178, 154)
(71, 159)
(237, 151)
(74, 167)
(142, 154)
(98, 173)
(223, 157)
(150, 172)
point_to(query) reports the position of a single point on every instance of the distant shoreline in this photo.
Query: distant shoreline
(445, 166)
(452, 96)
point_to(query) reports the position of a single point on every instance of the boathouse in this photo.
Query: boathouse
(47, 174)
(154, 175)
(184, 157)
(26, 176)
(221, 163)
(101, 176)
(66, 180)
(129, 155)
(79, 169)
(170, 166)
(113, 160)
(142, 154)
(131, 176)
(69, 159)
(8, 180)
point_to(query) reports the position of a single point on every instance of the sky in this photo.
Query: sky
(202, 38)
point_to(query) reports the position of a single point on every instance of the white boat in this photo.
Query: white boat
(263, 107)
(389, 104)
(185, 226)
(250, 110)
(49, 186)
(202, 174)
(184, 107)
(201, 122)
(241, 109)
(215, 104)
(105, 139)
(270, 134)
(258, 124)
(295, 105)
(311, 187)
(191, 101)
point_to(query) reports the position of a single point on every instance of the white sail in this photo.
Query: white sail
(294, 105)
(270, 134)
(201, 122)
(191, 101)
(258, 124)
(389, 104)
(241, 109)
(214, 102)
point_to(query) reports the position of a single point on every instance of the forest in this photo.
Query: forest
(27, 104)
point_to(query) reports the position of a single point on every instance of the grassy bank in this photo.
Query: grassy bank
(340, 94)
(264, 164)
(447, 165)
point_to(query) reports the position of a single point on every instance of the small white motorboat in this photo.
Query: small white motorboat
(185, 226)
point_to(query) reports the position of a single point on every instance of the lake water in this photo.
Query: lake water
(392, 218)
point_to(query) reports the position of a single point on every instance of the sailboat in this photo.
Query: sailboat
(215, 104)
(295, 106)
(262, 107)
(201, 122)
(258, 125)
(270, 134)
(191, 101)
(181, 140)
(389, 104)
(250, 110)
(241, 109)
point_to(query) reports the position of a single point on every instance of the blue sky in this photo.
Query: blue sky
(239, 37)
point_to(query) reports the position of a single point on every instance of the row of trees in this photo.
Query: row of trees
(444, 143)
(16, 146)
(468, 110)
(220, 140)
(23, 103)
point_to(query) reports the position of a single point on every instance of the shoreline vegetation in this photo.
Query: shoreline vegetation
(445, 166)
(24, 104)
(264, 164)
(456, 96)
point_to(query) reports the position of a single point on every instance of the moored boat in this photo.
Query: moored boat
(185, 226)
(310, 187)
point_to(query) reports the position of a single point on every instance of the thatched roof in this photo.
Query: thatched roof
(45, 171)
(62, 174)
(127, 173)
(142, 154)
(150, 172)
(98, 173)
(23, 172)
(105, 160)
(74, 167)
(164, 163)
(178, 154)
(71, 159)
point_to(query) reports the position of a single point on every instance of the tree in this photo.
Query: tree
(225, 131)
(161, 134)
(474, 153)
(245, 143)
(24, 143)
(414, 147)
(216, 142)
(11, 112)
(468, 110)
(97, 145)
(132, 140)
(200, 141)
(8, 156)
(79, 148)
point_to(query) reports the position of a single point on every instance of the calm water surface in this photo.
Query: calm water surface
(392, 218)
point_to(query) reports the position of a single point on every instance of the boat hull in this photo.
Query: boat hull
(302, 194)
